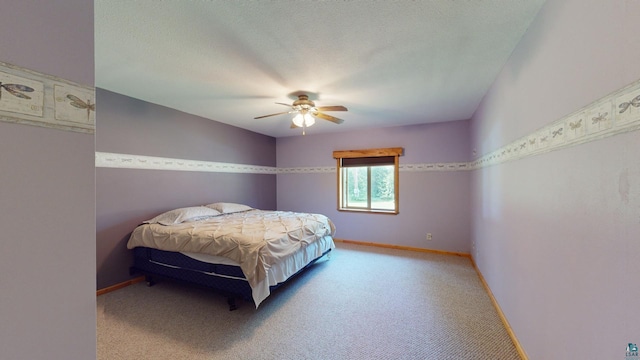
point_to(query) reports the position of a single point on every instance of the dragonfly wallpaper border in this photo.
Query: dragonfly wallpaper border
(32, 98)
(128, 161)
(616, 113)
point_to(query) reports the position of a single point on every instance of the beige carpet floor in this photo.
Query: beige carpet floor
(362, 303)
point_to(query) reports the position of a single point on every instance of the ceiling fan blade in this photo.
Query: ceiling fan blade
(328, 117)
(332, 108)
(264, 116)
(289, 105)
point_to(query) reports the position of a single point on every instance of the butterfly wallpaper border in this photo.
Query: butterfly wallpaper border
(32, 98)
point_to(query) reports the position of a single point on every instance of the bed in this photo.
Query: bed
(231, 248)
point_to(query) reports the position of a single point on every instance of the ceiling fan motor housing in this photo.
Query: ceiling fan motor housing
(303, 103)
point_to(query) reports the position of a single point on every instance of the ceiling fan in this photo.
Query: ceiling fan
(305, 111)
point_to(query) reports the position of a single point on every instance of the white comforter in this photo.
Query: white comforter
(255, 239)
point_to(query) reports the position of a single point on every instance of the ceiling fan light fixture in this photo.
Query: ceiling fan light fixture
(298, 120)
(303, 119)
(309, 120)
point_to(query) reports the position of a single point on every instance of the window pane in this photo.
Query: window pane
(368, 180)
(355, 187)
(382, 187)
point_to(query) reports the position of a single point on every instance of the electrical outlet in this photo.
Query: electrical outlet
(429, 237)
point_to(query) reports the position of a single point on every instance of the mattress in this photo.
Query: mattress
(269, 246)
(203, 268)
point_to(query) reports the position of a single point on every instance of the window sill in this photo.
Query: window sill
(387, 212)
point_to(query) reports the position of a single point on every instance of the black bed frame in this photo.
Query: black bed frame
(191, 271)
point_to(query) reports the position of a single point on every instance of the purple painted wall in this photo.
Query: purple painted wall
(132, 126)
(47, 285)
(126, 197)
(435, 202)
(556, 235)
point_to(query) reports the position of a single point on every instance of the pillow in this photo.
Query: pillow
(228, 208)
(181, 215)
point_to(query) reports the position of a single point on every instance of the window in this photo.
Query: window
(368, 180)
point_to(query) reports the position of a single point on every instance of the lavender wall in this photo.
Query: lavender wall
(47, 286)
(556, 235)
(430, 201)
(126, 197)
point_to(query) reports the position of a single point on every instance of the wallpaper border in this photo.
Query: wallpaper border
(616, 113)
(129, 161)
(29, 97)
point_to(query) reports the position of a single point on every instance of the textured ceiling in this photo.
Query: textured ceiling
(389, 62)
